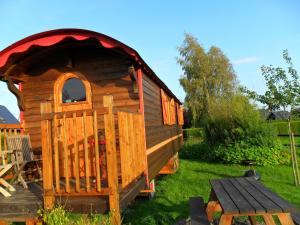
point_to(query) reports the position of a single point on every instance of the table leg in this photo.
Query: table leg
(285, 219)
(269, 219)
(210, 210)
(252, 220)
(226, 220)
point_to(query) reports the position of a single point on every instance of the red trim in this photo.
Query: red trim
(53, 37)
(21, 112)
(141, 96)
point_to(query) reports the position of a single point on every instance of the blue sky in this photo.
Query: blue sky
(251, 33)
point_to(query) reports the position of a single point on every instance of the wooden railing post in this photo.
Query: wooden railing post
(46, 107)
(111, 154)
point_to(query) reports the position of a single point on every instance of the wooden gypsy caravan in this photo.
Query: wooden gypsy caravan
(101, 120)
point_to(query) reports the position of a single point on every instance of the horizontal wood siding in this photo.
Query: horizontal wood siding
(106, 71)
(156, 131)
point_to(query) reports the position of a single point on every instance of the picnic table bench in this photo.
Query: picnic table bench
(247, 197)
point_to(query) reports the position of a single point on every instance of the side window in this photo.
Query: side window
(168, 109)
(180, 114)
(73, 91)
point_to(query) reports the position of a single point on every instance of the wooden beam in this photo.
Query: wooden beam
(46, 107)
(133, 77)
(16, 92)
(162, 144)
(10, 126)
(111, 154)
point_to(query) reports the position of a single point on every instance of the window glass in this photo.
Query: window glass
(73, 91)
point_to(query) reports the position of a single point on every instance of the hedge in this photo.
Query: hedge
(283, 127)
(193, 132)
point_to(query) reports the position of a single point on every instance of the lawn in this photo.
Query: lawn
(192, 179)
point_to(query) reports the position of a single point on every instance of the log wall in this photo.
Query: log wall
(156, 131)
(106, 71)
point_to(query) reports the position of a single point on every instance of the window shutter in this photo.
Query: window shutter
(164, 105)
(180, 115)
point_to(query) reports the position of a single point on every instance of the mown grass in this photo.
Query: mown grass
(192, 179)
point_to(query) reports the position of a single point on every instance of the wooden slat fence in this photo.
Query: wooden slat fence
(132, 146)
(72, 152)
(73, 137)
(7, 130)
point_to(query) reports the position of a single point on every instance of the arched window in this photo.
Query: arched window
(73, 91)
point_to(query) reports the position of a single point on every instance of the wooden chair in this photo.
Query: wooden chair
(21, 146)
(4, 169)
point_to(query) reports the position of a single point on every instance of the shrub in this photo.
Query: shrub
(263, 155)
(193, 132)
(236, 131)
(58, 215)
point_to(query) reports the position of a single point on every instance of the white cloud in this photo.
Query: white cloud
(246, 60)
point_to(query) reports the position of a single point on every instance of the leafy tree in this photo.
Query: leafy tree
(207, 76)
(283, 92)
(283, 89)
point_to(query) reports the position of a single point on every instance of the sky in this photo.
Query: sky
(251, 33)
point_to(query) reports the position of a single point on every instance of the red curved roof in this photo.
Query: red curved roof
(53, 37)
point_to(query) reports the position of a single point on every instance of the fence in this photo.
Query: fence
(74, 160)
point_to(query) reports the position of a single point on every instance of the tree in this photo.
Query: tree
(283, 92)
(207, 77)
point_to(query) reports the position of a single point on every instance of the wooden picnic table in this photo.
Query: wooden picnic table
(243, 196)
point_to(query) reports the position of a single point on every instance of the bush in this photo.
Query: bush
(193, 132)
(282, 127)
(263, 155)
(236, 131)
(58, 215)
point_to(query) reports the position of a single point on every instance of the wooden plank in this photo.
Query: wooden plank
(97, 156)
(226, 220)
(4, 138)
(10, 126)
(46, 107)
(269, 219)
(66, 157)
(77, 178)
(56, 154)
(264, 201)
(227, 204)
(258, 207)
(296, 217)
(112, 170)
(283, 204)
(161, 144)
(241, 202)
(86, 154)
(197, 211)
(285, 219)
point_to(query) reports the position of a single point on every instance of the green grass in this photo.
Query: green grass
(192, 179)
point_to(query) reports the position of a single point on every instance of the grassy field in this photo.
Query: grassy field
(192, 179)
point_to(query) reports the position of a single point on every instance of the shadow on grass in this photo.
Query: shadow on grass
(151, 212)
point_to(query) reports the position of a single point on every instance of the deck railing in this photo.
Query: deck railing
(73, 157)
(7, 130)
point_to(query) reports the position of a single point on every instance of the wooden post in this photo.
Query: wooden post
(86, 154)
(66, 155)
(111, 154)
(56, 154)
(295, 161)
(46, 107)
(98, 178)
(77, 174)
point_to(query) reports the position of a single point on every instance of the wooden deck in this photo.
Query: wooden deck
(22, 205)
